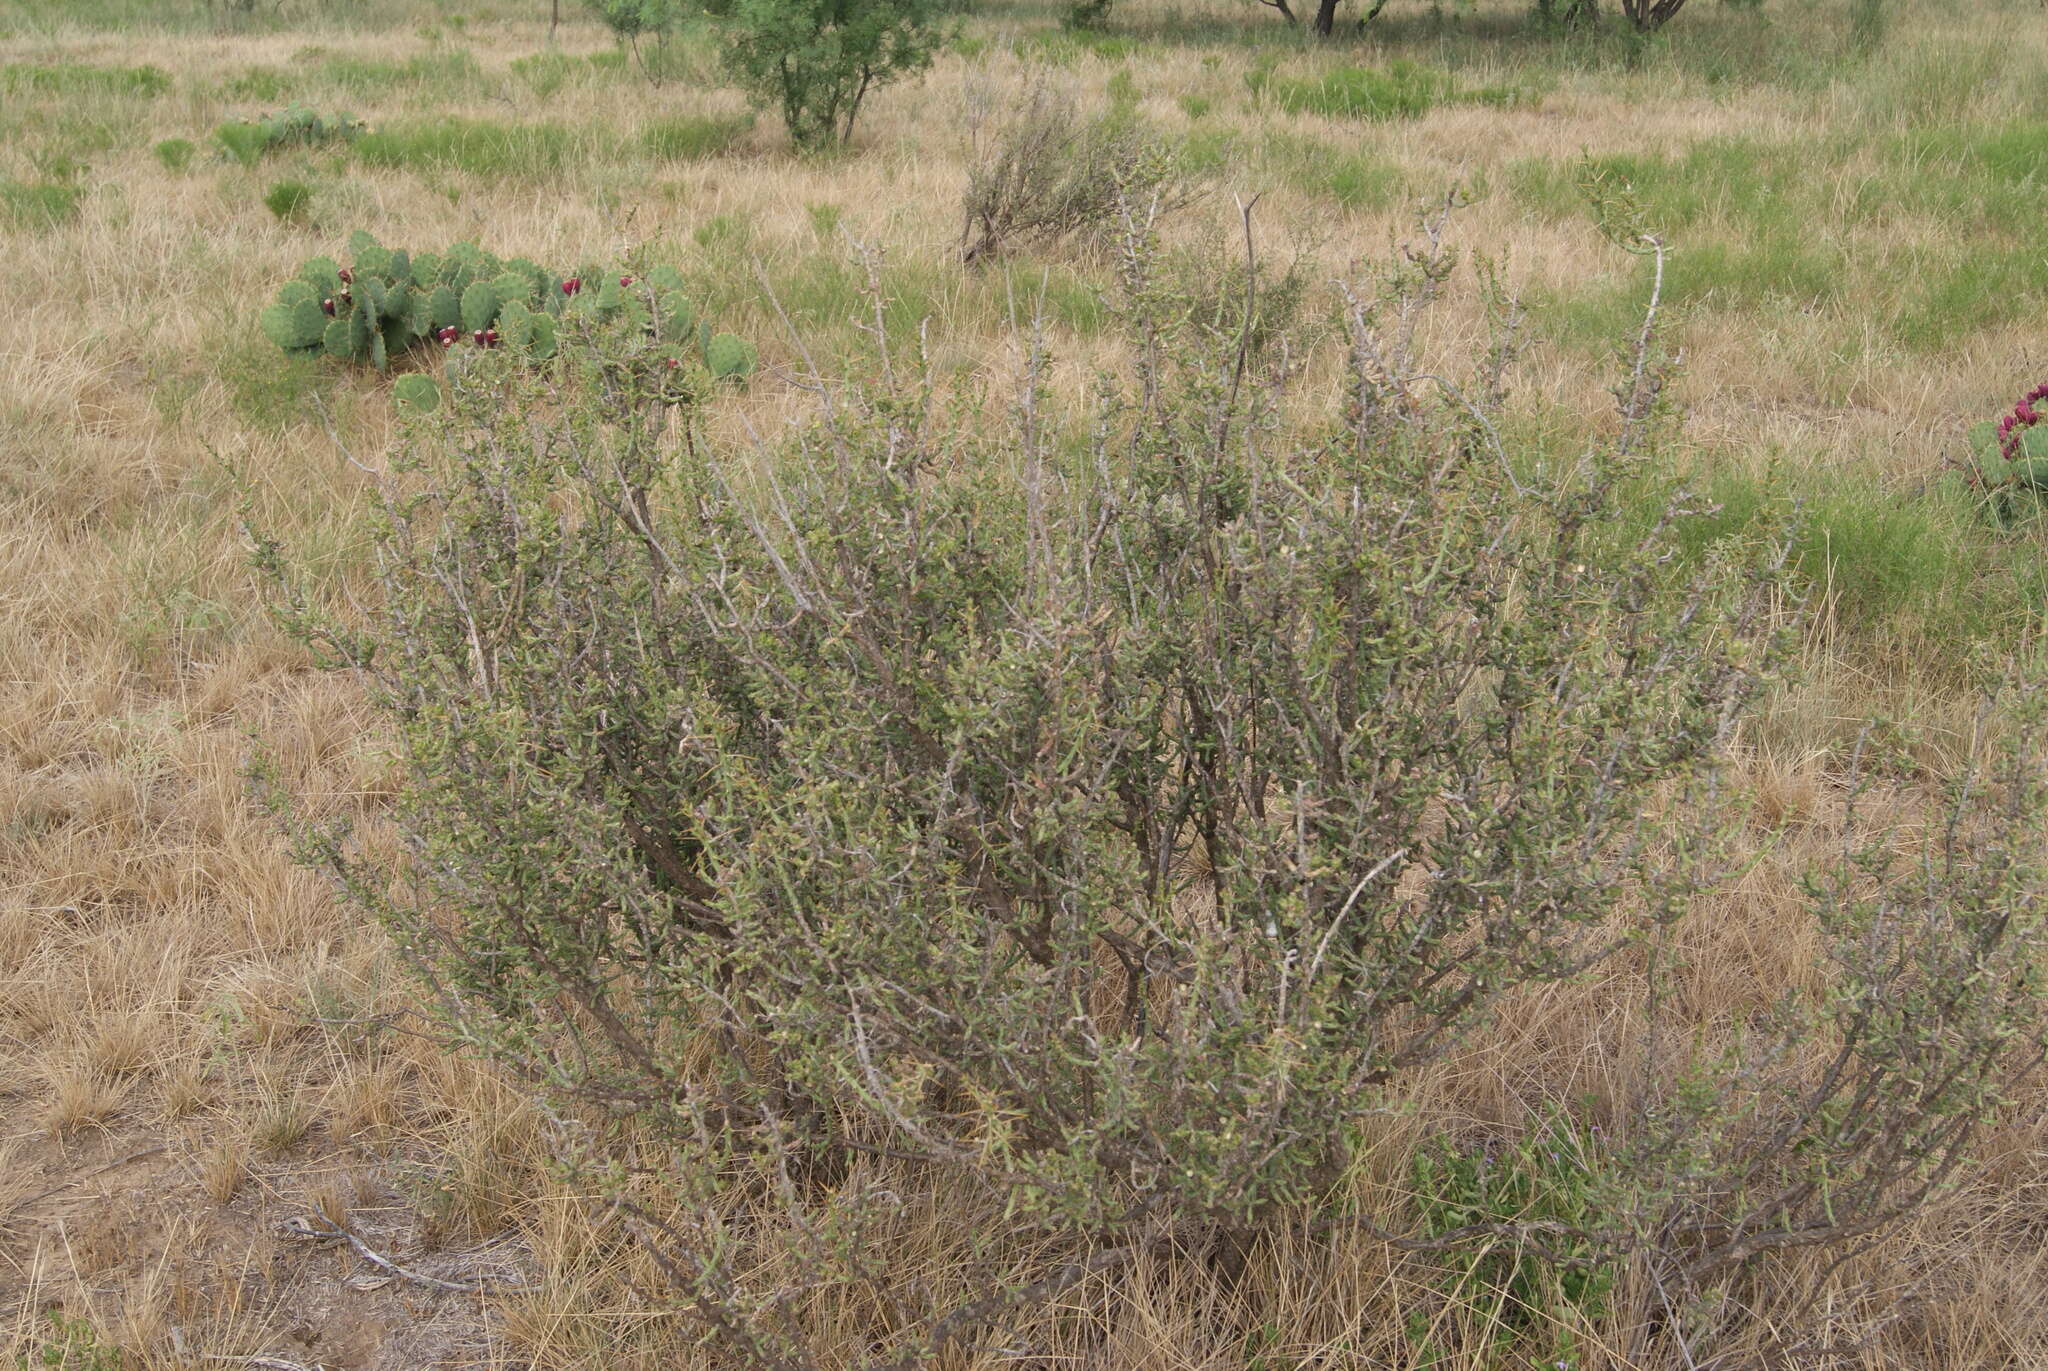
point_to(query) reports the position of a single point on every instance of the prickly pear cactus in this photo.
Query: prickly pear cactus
(2009, 457)
(729, 358)
(247, 140)
(388, 302)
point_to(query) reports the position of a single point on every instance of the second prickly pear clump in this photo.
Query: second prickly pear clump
(388, 301)
(248, 140)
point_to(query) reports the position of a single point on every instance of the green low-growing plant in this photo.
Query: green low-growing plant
(691, 137)
(1400, 90)
(72, 1345)
(1551, 1179)
(2009, 457)
(72, 79)
(388, 302)
(290, 201)
(176, 153)
(487, 148)
(248, 141)
(39, 204)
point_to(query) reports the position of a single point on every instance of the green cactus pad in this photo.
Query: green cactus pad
(541, 336)
(400, 269)
(2031, 472)
(665, 278)
(729, 357)
(444, 307)
(677, 319)
(295, 327)
(479, 307)
(512, 285)
(426, 267)
(358, 334)
(398, 335)
(416, 394)
(380, 356)
(291, 292)
(610, 297)
(323, 275)
(336, 340)
(374, 294)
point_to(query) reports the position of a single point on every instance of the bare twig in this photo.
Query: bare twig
(320, 1227)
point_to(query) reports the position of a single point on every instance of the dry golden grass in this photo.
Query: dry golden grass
(197, 1043)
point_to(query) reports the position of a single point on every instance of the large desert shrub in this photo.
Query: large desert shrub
(1084, 826)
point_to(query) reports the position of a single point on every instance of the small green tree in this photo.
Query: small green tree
(816, 60)
(630, 20)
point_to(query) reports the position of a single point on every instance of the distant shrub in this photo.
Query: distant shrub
(544, 73)
(631, 19)
(1044, 174)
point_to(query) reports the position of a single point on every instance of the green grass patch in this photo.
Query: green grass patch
(1983, 286)
(290, 201)
(693, 137)
(176, 153)
(482, 147)
(1890, 567)
(439, 73)
(1351, 179)
(1400, 90)
(38, 204)
(545, 73)
(64, 78)
(1064, 47)
(269, 85)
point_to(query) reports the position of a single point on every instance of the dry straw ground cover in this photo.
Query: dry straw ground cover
(207, 1064)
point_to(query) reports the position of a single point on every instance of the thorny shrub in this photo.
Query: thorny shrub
(1096, 821)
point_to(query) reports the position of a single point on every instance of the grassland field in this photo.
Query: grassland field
(198, 1046)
